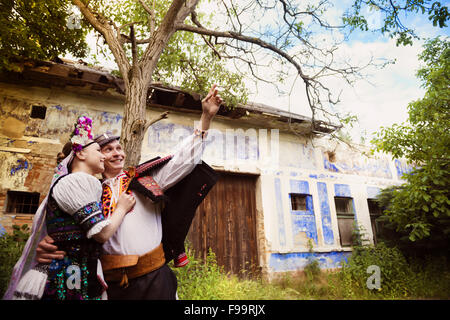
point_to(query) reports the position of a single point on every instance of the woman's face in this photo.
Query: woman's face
(94, 158)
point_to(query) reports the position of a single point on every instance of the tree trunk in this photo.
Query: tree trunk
(135, 124)
(134, 120)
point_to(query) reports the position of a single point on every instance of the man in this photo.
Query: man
(133, 259)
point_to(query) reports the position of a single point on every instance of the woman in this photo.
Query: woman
(74, 219)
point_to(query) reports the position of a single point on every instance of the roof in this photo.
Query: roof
(66, 73)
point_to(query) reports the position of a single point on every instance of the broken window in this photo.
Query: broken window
(22, 202)
(298, 201)
(345, 217)
(38, 112)
(375, 212)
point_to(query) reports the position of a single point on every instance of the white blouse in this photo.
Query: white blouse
(79, 194)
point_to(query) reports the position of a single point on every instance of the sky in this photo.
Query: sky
(380, 99)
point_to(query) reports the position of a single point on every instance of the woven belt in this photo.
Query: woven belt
(123, 267)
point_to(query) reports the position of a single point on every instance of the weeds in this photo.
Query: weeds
(427, 278)
(400, 279)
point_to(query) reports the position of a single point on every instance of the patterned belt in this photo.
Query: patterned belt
(123, 267)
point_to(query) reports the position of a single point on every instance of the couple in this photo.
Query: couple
(124, 233)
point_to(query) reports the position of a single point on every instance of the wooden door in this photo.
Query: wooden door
(226, 223)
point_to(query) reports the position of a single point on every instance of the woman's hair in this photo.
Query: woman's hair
(64, 153)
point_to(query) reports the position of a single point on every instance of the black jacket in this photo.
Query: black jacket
(181, 200)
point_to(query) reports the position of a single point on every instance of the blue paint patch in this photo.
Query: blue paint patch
(303, 221)
(299, 186)
(58, 107)
(373, 192)
(2, 231)
(299, 260)
(402, 168)
(279, 203)
(22, 165)
(342, 190)
(327, 228)
(313, 176)
(329, 166)
(111, 118)
(366, 167)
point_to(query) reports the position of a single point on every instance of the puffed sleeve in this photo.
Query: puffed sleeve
(187, 155)
(79, 194)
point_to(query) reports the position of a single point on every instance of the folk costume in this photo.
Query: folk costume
(71, 214)
(135, 258)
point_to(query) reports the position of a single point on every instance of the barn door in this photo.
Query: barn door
(226, 223)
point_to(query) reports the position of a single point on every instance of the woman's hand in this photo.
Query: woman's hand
(126, 202)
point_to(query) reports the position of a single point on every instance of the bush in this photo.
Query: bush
(11, 247)
(396, 273)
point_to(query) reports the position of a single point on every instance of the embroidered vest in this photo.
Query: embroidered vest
(75, 276)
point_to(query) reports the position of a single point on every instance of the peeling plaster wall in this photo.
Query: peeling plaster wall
(28, 146)
(284, 162)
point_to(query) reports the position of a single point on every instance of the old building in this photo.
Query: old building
(285, 195)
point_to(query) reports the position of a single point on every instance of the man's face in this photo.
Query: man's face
(114, 157)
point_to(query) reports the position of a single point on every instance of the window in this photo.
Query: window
(298, 202)
(345, 217)
(22, 202)
(375, 212)
(38, 112)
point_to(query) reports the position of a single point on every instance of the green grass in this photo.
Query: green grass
(400, 279)
(426, 278)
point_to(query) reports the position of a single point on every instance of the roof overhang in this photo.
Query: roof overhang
(78, 76)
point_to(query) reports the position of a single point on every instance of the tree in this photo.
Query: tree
(421, 206)
(154, 41)
(291, 38)
(37, 29)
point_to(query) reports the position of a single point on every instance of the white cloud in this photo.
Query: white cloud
(381, 100)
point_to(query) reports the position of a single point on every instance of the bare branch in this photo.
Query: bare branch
(152, 121)
(198, 24)
(240, 37)
(151, 12)
(104, 27)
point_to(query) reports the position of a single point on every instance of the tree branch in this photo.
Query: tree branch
(162, 116)
(151, 12)
(103, 26)
(240, 37)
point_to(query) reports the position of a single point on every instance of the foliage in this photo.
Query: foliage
(187, 61)
(11, 247)
(422, 204)
(400, 279)
(205, 280)
(391, 13)
(38, 30)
